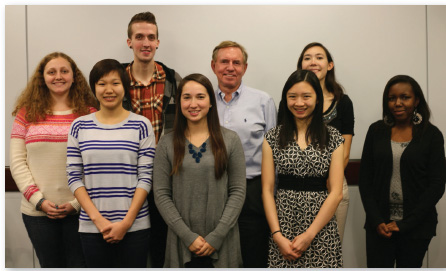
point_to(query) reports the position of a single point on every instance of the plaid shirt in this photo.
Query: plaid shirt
(147, 100)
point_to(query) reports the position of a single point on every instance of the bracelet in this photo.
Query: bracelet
(39, 204)
(275, 232)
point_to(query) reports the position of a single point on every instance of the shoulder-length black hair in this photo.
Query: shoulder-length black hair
(180, 125)
(317, 132)
(422, 108)
(330, 79)
(105, 67)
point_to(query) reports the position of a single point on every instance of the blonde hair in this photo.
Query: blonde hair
(36, 98)
(226, 44)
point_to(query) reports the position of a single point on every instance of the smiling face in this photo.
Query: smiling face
(402, 102)
(144, 41)
(110, 91)
(58, 76)
(229, 67)
(301, 100)
(195, 102)
(315, 60)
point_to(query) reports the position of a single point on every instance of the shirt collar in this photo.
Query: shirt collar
(238, 91)
(157, 75)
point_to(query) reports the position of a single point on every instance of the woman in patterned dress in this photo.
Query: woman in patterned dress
(338, 110)
(305, 152)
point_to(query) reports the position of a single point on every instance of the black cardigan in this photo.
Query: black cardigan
(423, 176)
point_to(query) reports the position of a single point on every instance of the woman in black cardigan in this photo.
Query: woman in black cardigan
(402, 177)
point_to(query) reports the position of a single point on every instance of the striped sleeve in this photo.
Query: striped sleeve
(75, 168)
(146, 154)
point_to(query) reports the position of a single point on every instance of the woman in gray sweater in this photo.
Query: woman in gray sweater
(199, 182)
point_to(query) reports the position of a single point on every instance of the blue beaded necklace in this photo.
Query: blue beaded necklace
(197, 155)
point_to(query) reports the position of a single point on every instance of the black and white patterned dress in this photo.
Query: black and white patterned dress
(296, 210)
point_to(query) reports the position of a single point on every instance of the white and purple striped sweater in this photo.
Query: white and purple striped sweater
(111, 161)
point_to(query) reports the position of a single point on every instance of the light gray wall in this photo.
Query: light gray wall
(370, 44)
(16, 73)
(436, 22)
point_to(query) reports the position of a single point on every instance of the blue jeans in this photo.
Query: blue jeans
(56, 241)
(130, 252)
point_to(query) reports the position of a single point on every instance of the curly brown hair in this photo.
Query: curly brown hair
(36, 96)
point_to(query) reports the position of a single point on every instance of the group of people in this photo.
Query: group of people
(140, 161)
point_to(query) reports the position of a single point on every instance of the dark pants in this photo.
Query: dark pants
(253, 227)
(405, 252)
(200, 262)
(159, 238)
(56, 241)
(130, 252)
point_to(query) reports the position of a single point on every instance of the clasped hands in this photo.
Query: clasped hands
(112, 232)
(386, 230)
(55, 211)
(292, 250)
(201, 248)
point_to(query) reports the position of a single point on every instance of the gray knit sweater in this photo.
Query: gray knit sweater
(194, 203)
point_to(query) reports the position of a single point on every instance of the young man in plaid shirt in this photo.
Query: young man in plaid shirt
(152, 94)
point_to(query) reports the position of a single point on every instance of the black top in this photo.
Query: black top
(340, 115)
(423, 176)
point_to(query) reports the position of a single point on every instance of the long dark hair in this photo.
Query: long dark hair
(317, 132)
(180, 125)
(422, 108)
(330, 79)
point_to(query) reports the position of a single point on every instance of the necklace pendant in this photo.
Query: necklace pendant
(197, 155)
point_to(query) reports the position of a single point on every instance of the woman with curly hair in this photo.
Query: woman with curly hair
(56, 94)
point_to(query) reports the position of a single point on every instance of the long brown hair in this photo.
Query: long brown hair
(36, 98)
(180, 125)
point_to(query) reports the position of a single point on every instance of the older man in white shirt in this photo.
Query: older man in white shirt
(250, 113)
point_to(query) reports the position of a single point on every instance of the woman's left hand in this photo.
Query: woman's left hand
(206, 250)
(392, 226)
(301, 243)
(116, 232)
